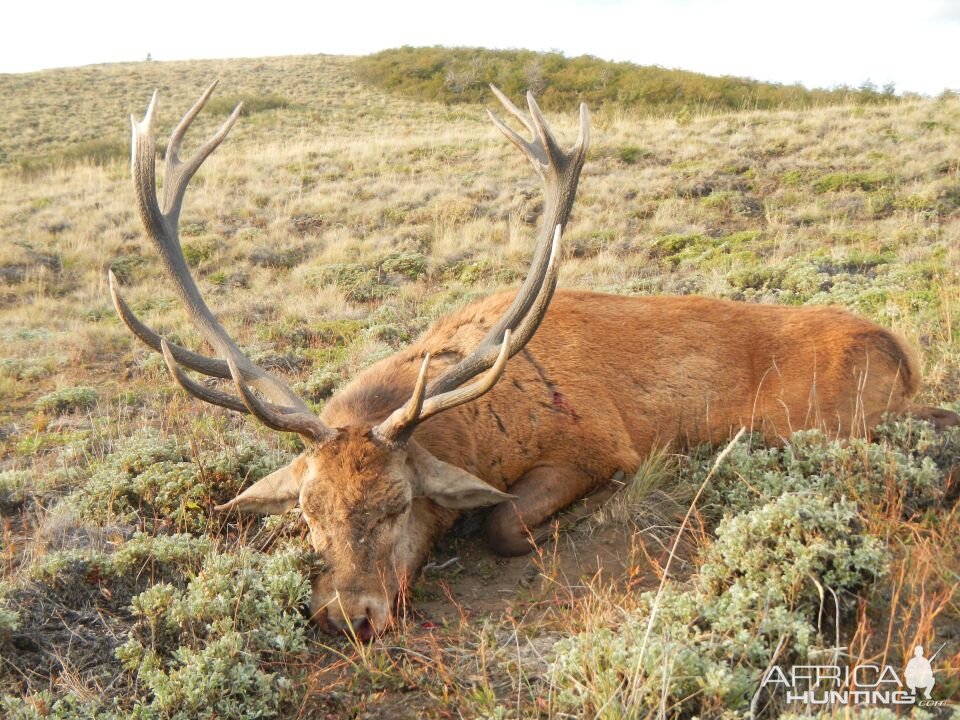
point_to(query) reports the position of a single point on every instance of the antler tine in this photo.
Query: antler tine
(542, 131)
(512, 109)
(287, 411)
(215, 397)
(543, 151)
(178, 173)
(560, 172)
(406, 417)
(176, 137)
(583, 136)
(194, 361)
(273, 416)
(447, 400)
(306, 424)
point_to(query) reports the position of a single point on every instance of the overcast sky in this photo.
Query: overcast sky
(820, 43)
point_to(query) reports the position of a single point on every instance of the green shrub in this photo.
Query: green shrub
(710, 643)
(457, 75)
(789, 531)
(411, 265)
(792, 178)
(757, 278)
(868, 181)
(44, 705)
(469, 271)
(201, 628)
(283, 258)
(320, 385)
(336, 332)
(702, 249)
(205, 651)
(14, 486)
(148, 478)
(631, 154)
(905, 464)
(359, 283)
(9, 620)
(88, 582)
(197, 252)
(672, 245)
(168, 556)
(67, 400)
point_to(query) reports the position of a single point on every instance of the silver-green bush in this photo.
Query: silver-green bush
(148, 477)
(70, 399)
(200, 652)
(788, 553)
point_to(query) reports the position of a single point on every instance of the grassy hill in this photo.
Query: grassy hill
(459, 75)
(333, 226)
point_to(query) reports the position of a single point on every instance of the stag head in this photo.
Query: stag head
(370, 494)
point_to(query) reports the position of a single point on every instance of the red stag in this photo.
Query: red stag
(527, 400)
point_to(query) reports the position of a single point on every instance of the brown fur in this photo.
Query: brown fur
(607, 378)
(679, 370)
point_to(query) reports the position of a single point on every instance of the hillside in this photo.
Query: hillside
(461, 75)
(334, 225)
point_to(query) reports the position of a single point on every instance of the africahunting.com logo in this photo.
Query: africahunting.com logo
(866, 684)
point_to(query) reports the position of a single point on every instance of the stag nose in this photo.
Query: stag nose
(361, 628)
(364, 618)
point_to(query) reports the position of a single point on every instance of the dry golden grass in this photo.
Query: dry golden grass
(856, 206)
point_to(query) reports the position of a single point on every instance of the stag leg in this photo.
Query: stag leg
(511, 527)
(941, 419)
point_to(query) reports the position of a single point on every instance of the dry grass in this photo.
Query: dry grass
(856, 206)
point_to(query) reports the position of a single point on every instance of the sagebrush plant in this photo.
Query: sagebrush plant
(14, 486)
(71, 399)
(709, 645)
(903, 466)
(336, 223)
(790, 549)
(9, 620)
(149, 478)
(97, 578)
(202, 641)
(202, 651)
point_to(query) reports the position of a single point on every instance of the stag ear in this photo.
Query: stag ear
(448, 485)
(276, 493)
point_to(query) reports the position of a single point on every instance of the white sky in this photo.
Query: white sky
(821, 43)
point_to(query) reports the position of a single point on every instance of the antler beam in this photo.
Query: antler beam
(286, 410)
(560, 172)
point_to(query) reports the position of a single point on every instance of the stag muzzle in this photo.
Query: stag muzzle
(360, 613)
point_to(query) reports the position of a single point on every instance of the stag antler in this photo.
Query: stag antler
(286, 410)
(560, 172)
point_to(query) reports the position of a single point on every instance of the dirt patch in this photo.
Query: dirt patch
(477, 621)
(70, 631)
(465, 579)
